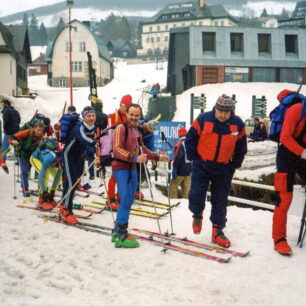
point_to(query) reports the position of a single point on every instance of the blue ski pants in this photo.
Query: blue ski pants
(126, 185)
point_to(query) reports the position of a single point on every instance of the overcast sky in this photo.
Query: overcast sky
(8, 7)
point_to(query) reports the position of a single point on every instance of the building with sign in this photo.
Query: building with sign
(201, 55)
(155, 32)
(298, 18)
(82, 40)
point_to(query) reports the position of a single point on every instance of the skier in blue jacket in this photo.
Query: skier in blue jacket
(81, 145)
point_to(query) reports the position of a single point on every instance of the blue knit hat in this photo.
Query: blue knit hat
(224, 104)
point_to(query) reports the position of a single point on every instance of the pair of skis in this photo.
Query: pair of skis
(161, 242)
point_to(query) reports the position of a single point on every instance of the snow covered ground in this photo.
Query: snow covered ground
(44, 263)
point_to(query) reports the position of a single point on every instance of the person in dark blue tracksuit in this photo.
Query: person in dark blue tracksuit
(81, 144)
(216, 143)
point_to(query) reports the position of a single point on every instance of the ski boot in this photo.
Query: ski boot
(139, 195)
(219, 238)
(197, 223)
(43, 201)
(51, 198)
(122, 238)
(282, 247)
(69, 217)
(26, 193)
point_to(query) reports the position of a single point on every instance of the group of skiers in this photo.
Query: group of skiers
(212, 149)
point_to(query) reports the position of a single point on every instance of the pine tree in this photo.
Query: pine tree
(25, 20)
(264, 13)
(43, 35)
(61, 24)
(33, 31)
(284, 13)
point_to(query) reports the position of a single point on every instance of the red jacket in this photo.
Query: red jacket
(291, 130)
(116, 118)
(128, 150)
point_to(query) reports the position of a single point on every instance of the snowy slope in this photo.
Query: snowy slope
(51, 264)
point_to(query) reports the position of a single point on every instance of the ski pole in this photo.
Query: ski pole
(77, 181)
(168, 189)
(153, 202)
(15, 196)
(140, 181)
(303, 224)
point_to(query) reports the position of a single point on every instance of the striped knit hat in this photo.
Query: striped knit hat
(224, 104)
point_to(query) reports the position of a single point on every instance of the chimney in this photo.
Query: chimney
(202, 3)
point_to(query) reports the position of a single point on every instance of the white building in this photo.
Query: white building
(15, 55)
(83, 41)
(155, 32)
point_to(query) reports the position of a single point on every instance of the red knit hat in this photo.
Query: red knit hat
(126, 100)
(182, 132)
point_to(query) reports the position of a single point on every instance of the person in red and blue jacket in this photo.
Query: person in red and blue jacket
(181, 168)
(127, 153)
(216, 143)
(290, 159)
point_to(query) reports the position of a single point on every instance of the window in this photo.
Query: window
(201, 22)
(216, 23)
(208, 41)
(150, 29)
(291, 43)
(158, 28)
(11, 67)
(183, 24)
(152, 39)
(76, 66)
(82, 46)
(67, 46)
(174, 25)
(166, 27)
(158, 39)
(236, 42)
(222, 23)
(148, 39)
(166, 38)
(49, 67)
(62, 83)
(264, 43)
(150, 52)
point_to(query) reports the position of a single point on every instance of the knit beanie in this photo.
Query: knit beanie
(126, 100)
(224, 104)
(182, 132)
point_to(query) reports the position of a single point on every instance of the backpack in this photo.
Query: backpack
(67, 122)
(106, 144)
(287, 99)
(36, 118)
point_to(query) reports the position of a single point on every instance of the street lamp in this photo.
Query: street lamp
(70, 5)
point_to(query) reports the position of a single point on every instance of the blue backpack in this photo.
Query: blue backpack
(287, 99)
(68, 121)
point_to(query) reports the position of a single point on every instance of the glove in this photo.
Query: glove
(251, 140)
(303, 155)
(153, 125)
(174, 173)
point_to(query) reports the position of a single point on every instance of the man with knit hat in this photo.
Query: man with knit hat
(81, 144)
(114, 119)
(216, 143)
(181, 168)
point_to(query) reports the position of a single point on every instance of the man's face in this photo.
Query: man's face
(256, 122)
(222, 116)
(2, 104)
(38, 131)
(123, 108)
(133, 115)
(90, 119)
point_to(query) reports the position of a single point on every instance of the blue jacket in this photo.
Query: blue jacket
(11, 120)
(259, 133)
(181, 162)
(217, 142)
(81, 143)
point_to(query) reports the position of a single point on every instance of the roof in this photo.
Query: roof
(103, 52)
(189, 11)
(118, 43)
(19, 33)
(40, 59)
(8, 38)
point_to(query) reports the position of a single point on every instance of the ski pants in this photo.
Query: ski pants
(219, 176)
(127, 183)
(112, 187)
(73, 170)
(24, 168)
(5, 145)
(184, 182)
(44, 174)
(288, 164)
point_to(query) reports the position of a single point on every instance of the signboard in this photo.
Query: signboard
(259, 107)
(170, 130)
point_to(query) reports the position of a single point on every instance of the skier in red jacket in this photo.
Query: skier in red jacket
(290, 159)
